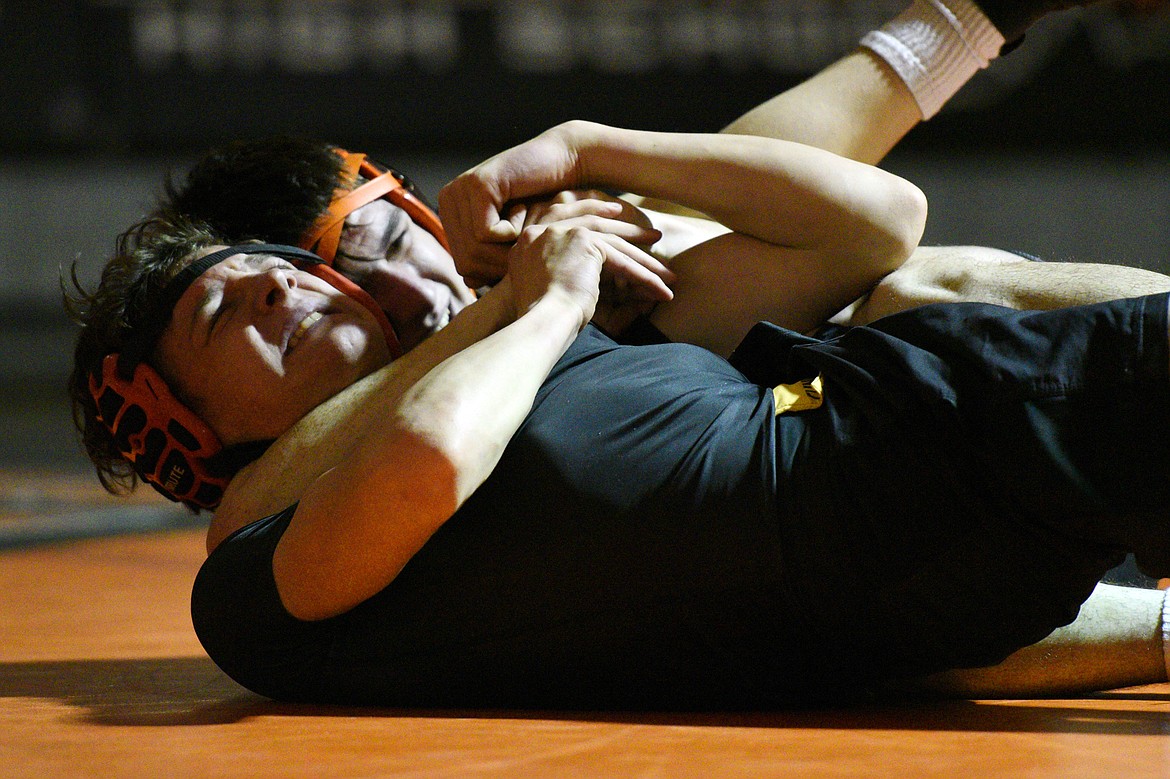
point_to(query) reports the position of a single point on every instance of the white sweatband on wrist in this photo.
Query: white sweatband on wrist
(1166, 631)
(935, 47)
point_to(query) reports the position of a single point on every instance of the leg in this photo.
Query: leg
(857, 107)
(1116, 641)
(976, 274)
(1022, 454)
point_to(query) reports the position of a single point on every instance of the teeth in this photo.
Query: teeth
(444, 320)
(303, 327)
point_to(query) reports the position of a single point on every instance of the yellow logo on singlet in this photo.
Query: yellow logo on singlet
(804, 395)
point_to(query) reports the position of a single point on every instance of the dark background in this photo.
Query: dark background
(150, 76)
(1061, 149)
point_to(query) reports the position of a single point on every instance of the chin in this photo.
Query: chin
(357, 349)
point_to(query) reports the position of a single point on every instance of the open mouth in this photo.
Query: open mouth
(303, 328)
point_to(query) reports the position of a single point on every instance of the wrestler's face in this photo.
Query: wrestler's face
(404, 268)
(254, 344)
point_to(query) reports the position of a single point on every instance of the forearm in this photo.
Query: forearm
(469, 407)
(857, 108)
(810, 230)
(1115, 641)
(780, 192)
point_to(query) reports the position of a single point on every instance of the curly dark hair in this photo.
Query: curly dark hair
(114, 317)
(270, 189)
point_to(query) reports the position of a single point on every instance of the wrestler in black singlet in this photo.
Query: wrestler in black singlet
(656, 537)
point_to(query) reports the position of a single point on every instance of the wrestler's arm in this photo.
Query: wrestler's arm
(1115, 641)
(826, 228)
(857, 107)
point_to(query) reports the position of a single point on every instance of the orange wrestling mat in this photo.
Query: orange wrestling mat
(101, 676)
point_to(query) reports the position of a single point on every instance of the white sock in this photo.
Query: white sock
(936, 46)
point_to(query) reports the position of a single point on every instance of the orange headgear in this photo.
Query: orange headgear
(382, 182)
(166, 443)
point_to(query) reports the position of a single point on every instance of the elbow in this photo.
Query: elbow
(465, 456)
(918, 207)
(894, 230)
(907, 222)
(882, 231)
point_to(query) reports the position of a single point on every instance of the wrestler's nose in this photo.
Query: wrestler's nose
(273, 287)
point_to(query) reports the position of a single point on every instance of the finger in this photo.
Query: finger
(643, 258)
(629, 281)
(520, 215)
(626, 264)
(568, 205)
(535, 214)
(634, 233)
(477, 209)
(456, 224)
(580, 208)
(486, 265)
(498, 230)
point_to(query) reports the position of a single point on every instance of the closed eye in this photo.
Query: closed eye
(399, 239)
(399, 229)
(261, 263)
(216, 317)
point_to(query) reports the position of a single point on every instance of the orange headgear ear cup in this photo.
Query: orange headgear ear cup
(168, 444)
(325, 233)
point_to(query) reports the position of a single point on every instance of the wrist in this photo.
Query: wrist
(565, 307)
(591, 146)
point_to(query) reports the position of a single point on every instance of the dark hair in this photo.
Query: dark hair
(271, 189)
(146, 258)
